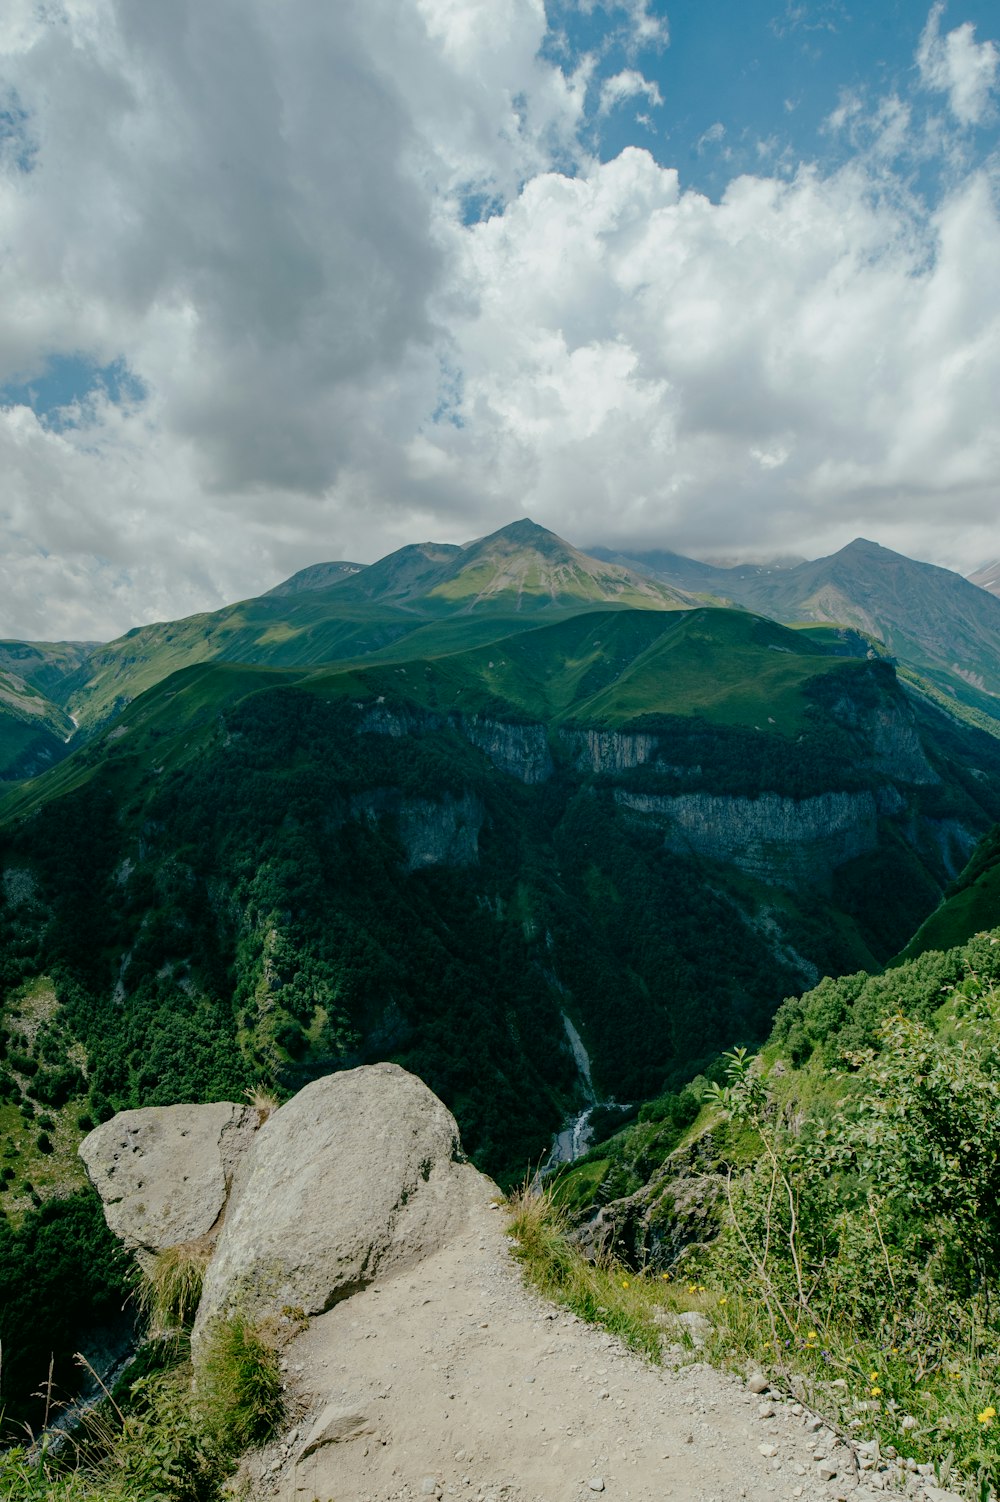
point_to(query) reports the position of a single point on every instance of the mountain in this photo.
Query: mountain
(33, 730)
(340, 612)
(988, 577)
(935, 623)
(654, 823)
(316, 576)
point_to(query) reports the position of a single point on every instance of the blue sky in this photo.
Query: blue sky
(284, 281)
(771, 74)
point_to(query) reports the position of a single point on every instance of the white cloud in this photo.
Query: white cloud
(801, 361)
(628, 84)
(959, 66)
(264, 210)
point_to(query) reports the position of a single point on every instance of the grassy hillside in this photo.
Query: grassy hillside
(33, 730)
(937, 624)
(613, 669)
(971, 906)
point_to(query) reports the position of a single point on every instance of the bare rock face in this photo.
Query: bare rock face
(163, 1173)
(359, 1174)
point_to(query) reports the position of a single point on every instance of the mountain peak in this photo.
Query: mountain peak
(524, 533)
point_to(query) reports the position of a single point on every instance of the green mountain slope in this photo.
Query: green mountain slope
(33, 730)
(971, 906)
(657, 823)
(452, 596)
(935, 622)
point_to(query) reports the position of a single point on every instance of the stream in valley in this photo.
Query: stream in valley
(574, 1139)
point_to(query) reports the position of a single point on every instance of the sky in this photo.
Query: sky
(284, 281)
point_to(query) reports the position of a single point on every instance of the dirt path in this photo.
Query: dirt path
(453, 1380)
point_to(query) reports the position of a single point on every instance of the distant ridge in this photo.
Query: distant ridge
(988, 577)
(933, 621)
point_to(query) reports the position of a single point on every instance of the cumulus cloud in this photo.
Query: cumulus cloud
(959, 66)
(803, 360)
(628, 84)
(370, 287)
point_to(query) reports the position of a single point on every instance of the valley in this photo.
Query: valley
(485, 813)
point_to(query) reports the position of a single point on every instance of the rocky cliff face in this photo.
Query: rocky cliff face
(519, 749)
(787, 841)
(433, 832)
(605, 752)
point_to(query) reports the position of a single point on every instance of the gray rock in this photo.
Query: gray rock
(335, 1425)
(758, 1383)
(696, 1325)
(163, 1172)
(359, 1174)
(596, 1483)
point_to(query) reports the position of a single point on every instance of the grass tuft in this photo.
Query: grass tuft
(240, 1384)
(168, 1289)
(604, 1293)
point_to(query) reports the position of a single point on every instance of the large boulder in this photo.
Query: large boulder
(163, 1173)
(359, 1174)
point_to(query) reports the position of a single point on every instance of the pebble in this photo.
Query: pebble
(768, 1450)
(596, 1483)
(758, 1383)
(428, 1486)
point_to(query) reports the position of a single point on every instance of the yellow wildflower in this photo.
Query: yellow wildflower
(624, 1282)
(876, 1392)
(873, 1376)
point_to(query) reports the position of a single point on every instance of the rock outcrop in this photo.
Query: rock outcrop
(163, 1173)
(786, 841)
(359, 1174)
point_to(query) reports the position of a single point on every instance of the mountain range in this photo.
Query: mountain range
(534, 785)
(431, 600)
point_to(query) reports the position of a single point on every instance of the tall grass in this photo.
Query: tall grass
(168, 1289)
(604, 1292)
(239, 1383)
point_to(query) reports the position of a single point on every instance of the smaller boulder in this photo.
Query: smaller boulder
(163, 1173)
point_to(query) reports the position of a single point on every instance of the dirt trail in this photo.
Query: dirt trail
(454, 1380)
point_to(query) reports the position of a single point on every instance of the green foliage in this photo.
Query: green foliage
(871, 1233)
(603, 1293)
(240, 1383)
(61, 1273)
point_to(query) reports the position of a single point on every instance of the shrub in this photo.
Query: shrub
(869, 1237)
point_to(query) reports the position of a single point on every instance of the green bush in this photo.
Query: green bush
(869, 1237)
